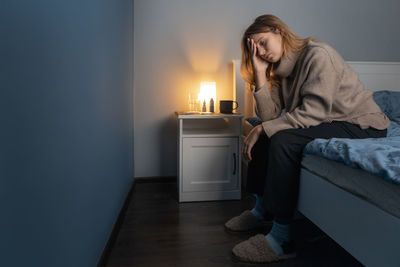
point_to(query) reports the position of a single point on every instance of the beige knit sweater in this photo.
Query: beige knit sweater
(317, 86)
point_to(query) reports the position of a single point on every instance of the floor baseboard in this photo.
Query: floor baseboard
(116, 228)
(156, 179)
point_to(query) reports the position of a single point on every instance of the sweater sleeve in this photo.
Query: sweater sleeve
(268, 104)
(317, 94)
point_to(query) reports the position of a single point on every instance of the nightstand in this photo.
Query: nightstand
(209, 156)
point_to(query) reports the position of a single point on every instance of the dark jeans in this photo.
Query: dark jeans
(275, 167)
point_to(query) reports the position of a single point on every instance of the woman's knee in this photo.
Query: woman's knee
(283, 140)
(261, 145)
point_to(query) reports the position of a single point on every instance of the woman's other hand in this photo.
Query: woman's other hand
(250, 140)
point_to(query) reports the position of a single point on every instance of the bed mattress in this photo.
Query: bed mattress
(364, 185)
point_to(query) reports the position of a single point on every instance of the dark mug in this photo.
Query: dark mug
(226, 106)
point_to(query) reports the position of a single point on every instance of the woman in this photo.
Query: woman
(303, 90)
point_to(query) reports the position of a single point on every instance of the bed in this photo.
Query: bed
(355, 207)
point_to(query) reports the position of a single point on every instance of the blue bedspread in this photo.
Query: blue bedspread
(380, 156)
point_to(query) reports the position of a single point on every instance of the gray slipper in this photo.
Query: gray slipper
(246, 222)
(257, 250)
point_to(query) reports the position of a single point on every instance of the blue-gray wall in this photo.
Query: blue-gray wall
(66, 128)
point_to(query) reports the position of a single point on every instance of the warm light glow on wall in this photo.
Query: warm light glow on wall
(207, 91)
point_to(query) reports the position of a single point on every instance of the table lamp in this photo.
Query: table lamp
(207, 92)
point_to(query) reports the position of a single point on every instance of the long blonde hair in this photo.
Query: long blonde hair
(290, 41)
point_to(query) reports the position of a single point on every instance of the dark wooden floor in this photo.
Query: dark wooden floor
(158, 231)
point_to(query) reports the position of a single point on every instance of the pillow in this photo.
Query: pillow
(254, 121)
(389, 102)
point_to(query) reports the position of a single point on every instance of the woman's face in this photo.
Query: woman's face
(269, 45)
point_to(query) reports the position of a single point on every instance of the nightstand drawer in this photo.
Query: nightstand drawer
(210, 164)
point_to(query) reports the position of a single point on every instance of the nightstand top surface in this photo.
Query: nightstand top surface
(199, 115)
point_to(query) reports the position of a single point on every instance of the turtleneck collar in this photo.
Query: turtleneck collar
(286, 64)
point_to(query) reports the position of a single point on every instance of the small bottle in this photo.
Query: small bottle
(204, 106)
(211, 105)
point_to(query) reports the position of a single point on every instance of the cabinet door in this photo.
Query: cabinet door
(210, 164)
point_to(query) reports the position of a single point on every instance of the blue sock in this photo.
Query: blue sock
(279, 234)
(258, 209)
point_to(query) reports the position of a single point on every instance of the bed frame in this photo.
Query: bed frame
(368, 233)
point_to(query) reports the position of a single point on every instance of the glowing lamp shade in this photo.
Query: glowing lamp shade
(207, 91)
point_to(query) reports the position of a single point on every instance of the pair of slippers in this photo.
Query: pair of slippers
(256, 249)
